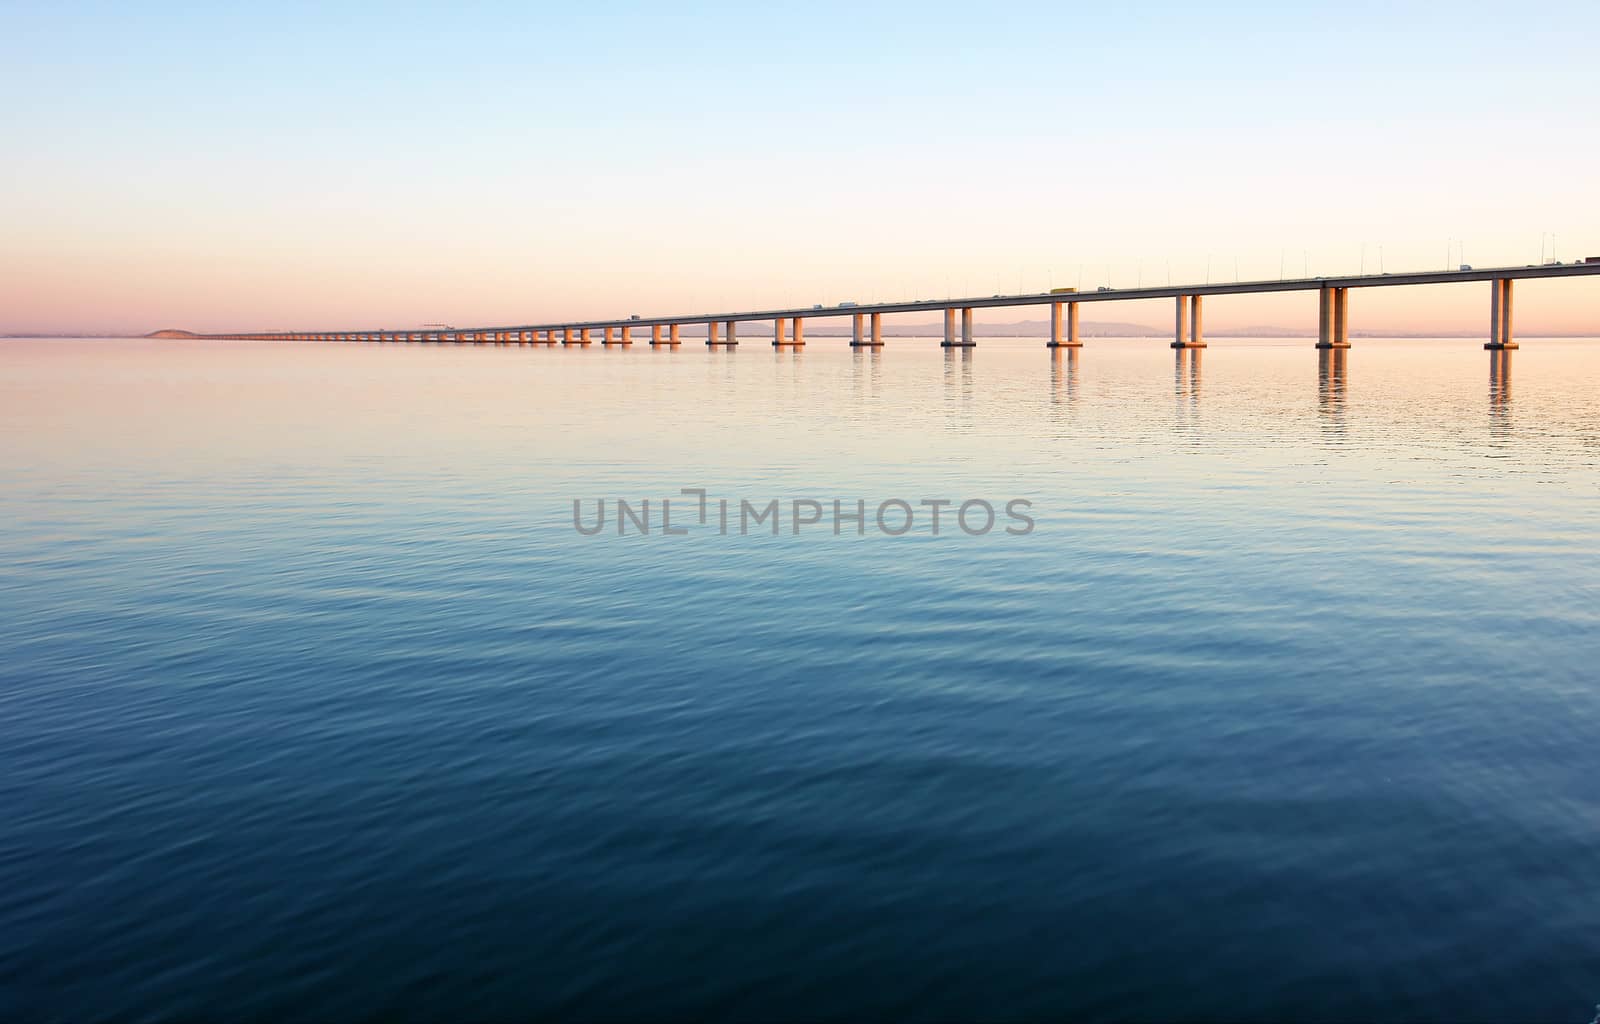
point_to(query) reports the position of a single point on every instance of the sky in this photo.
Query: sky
(324, 166)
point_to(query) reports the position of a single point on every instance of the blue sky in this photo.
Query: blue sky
(223, 165)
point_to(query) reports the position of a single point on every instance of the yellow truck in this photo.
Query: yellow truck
(1063, 291)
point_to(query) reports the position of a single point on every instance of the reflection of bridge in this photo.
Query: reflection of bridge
(789, 324)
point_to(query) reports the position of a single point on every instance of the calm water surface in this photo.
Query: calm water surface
(313, 704)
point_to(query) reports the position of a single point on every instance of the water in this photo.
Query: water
(314, 705)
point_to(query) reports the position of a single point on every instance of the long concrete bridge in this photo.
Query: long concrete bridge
(1333, 317)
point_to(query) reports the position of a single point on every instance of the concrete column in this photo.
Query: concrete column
(966, 326)
(655, 334)
(732, 332)
(1507, 339)
(949, 327)
(1196, 337)
(1497, 294)
(1333, 318)
(583, 336)
(1071, 318)
(799, 331)
(711, 333)
(1180, 327)
(877, 328)
(611, 334)
(855, 330)
(672, 333)
(627, 338)
(1500, 333)
(779, 329)
(566, 335)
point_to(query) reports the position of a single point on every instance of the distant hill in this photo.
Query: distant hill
(171, 332)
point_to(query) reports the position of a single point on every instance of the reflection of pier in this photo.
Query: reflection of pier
(868, 363)
(1186, 379)
(1332, 381)
(1500, 390)
(1064, 374)
(958, 385)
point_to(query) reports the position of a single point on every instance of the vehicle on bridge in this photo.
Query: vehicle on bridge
(1063, 291)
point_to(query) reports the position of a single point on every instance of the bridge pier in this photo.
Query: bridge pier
(1333, 318)
(731, 329)
(877, 332)
(712, 341)
(1072, 340)
(625, 336)
(779, 328)
(1500, 337)
(655, 335)
(950, 329)
(1192, 309)
(876, 338)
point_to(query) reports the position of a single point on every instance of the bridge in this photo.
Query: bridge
(1333, 317)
